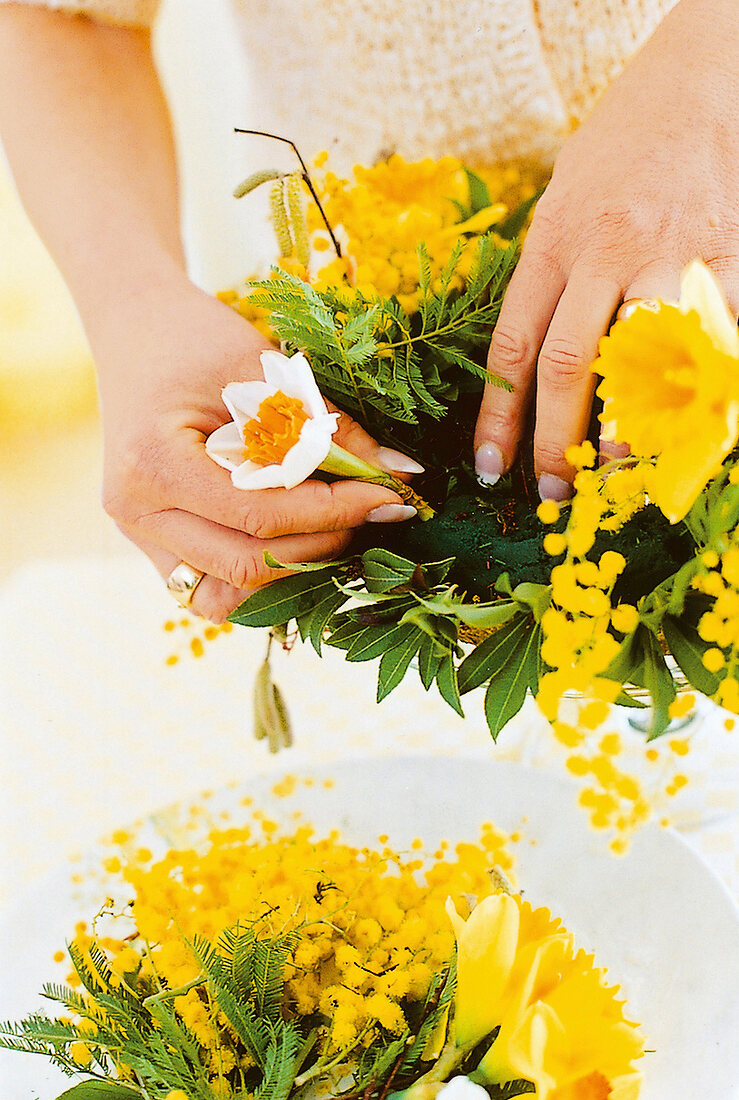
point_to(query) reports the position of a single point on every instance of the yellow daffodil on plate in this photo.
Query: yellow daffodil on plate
(555, 1021)
(671, 388)
(281, 432)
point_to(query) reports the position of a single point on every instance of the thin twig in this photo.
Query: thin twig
(306, 177)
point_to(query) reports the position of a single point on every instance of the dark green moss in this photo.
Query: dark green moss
(497, 533)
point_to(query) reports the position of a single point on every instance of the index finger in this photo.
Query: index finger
(529, 303)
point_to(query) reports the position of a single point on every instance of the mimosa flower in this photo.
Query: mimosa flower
(671, 388)
(281, 429)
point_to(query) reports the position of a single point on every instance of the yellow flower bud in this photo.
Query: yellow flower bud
(713, 660)
(548, 511)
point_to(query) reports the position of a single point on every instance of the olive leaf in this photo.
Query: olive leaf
(101, 1090)
(286, 599)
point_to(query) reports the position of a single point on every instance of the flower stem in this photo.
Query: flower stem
(344, 464)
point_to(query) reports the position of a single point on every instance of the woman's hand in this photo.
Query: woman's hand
(173, 501)
(649, 182)
(96, 124)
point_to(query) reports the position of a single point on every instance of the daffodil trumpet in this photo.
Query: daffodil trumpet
(280, 433)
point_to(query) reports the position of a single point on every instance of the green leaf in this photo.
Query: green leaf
(479, 192)
(516, 221)
(687, 647)
(345, 632)
(267, 969)
(285, 599)
(489, 657)
(448, 684)
(659, 683)
(625, 665)
(384, 570)
(507, 690)
(395, 662)
(487, 615)
(430, 656)
(303, 566)
(376, 641)
(534, 662)
(315, 623)
(101, 1090)
(279, 1063)
(536, 596)
(640, 661)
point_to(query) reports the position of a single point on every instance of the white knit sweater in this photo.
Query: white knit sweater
(482, 80)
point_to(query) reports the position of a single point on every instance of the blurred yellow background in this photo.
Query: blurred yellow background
(49, 425)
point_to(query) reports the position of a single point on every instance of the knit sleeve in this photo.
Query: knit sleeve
(586, 43)
(123, 13)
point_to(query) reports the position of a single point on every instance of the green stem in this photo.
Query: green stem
(168, 994)
(320, 1068)
(450, 1058)
(344, 464)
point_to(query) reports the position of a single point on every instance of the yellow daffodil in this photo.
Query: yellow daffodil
(565, 1031)
(486, 951)
(671, 388)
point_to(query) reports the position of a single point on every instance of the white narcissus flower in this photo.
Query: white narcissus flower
(281, 429)
(461, 1088)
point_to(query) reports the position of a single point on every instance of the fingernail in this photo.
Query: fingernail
(609, 449)
(488, 464)
(396, 463)
(391, 513)
(552, 487)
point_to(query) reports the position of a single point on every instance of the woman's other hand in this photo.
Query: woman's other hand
(649, 182)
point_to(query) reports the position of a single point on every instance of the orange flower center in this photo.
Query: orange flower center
(274, 430)
(593, 1087)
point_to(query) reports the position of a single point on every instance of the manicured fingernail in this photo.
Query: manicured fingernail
(608, 449)
(396, 463)
(488, 464)
(552, 487)
(391, 513)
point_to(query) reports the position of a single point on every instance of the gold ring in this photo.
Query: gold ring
(631, 304)
(182, 582)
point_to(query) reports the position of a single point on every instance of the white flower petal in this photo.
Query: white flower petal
(251, 476)
(309, 452)
(242, 399)
(226, 446)
(701, 291)
(461, 1088)
(294, 376)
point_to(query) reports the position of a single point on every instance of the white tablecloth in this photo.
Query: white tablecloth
(98, 730)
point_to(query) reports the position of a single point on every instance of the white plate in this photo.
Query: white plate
(659, 919)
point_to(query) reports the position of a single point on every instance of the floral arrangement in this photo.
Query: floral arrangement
(277, 966)
(608, 596)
